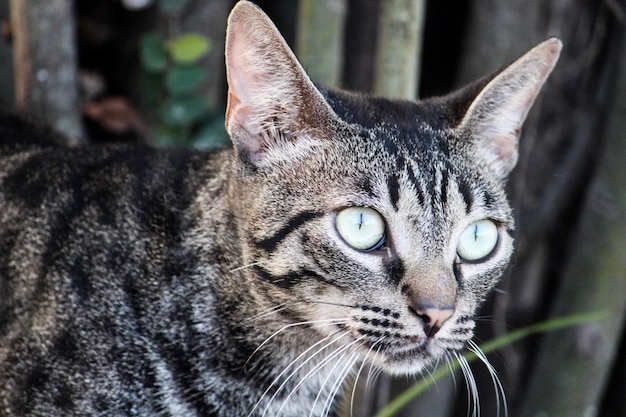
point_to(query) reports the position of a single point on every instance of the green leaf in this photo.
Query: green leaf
(189, 48)
(183, 111)
(182, 80)
(558, 323)
(153, 53)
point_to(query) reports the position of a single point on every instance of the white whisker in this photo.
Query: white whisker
(341, 377)
(321, 390)
(288, 326)
(284, 371)
(340, 350)
(280, 388)
(247, 266)
(430, 374)
(268, 312)
(472, 389)
(497, 385)
(358, 374)
(370, 373)
(448, 358)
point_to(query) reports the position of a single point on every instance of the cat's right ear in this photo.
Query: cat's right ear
(272, 103)
(495, 117)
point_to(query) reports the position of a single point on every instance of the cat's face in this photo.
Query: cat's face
(380, 224)
(387, 236)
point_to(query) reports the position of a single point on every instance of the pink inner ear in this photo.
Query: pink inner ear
(504, 148)
(233, 102)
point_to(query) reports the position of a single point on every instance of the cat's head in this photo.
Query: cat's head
(381, 222)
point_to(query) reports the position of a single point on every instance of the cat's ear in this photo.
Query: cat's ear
(495, 117)
(271, 100)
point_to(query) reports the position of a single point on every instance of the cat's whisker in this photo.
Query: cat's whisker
(449, 360)
(334, 304)
(358, 374)
(371, 374)
(327, 322)
(268, 312)
(258, 263)
(429, 371)
(497, 385)
(472, 388)
(284, 371)
(321, 389)
(338, 351)
(293, 372)
(341, 377)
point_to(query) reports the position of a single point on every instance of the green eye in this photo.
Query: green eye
(361, 227)
(478, 240)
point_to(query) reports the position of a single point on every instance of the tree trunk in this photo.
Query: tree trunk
(319, 39)
(45, 63)
(398, 50)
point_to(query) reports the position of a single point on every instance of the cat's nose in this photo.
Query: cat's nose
(433, 317)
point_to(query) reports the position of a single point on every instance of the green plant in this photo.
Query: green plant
(172, 76)
(559, 323)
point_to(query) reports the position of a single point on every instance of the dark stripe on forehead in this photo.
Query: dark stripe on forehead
(467, 194)
(270, 243)
(416, 185)
(443, 192)
(394, 190)
(488, 199)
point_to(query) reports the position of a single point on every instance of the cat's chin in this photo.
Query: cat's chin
(410, 360)
(406, 365)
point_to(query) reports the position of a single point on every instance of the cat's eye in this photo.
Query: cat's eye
(362, 228)
(478, 240)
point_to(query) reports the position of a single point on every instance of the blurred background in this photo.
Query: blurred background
(152, 71)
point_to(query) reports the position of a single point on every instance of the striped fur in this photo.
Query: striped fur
(142, 282)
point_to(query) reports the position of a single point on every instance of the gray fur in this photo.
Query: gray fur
(137, 282)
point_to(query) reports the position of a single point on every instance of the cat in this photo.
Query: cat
(340, 229)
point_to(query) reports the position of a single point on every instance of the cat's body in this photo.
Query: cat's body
(176, 283)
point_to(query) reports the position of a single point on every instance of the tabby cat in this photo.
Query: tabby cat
(340, 230)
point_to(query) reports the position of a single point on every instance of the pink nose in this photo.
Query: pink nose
(433, 318)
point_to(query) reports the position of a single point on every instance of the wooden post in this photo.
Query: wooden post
(399, 47)
(319, 39)
(46, 64)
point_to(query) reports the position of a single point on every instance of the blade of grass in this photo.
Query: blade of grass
(558, 323)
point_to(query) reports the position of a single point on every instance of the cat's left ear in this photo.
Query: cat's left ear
(272, 103)
(495, 117)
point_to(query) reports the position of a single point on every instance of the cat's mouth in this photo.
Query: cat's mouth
(407, 359)
(413, 356)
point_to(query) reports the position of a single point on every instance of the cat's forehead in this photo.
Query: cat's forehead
(395, 131)
(371, 112)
